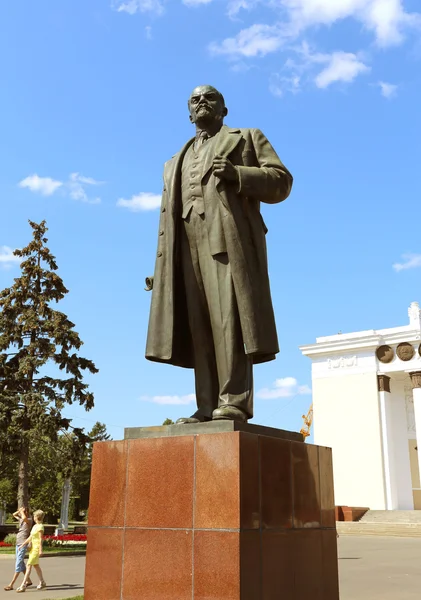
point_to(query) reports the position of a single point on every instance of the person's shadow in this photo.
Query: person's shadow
(64, 586)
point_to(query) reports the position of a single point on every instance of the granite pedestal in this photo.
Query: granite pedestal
(215, 511)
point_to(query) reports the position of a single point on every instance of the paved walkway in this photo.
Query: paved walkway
(374, 568)
(64, 576)
(371, 568)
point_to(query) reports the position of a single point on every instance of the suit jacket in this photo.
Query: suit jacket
(263, 178)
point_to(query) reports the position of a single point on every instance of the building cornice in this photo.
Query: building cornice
(343, 344)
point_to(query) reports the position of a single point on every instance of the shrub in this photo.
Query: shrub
(10, 539)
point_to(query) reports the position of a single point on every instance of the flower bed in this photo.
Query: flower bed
(65, 540)
(4, 545)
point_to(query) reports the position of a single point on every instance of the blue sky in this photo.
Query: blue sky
(93, 103)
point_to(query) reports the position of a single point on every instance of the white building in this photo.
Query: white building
(367, 408)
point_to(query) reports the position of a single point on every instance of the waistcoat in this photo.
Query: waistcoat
(193, 198)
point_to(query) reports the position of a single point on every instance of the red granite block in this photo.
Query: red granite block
(330, 565)
(108, 484)
(276, 482)
(216, 565)
(347, 512)
(217, 502)
(306, 485)
(245, 491)
(353, 513)
(327, 497)
(277, 565)
(104, 564)
(307, 562)
(249, 481)
(157, 565)
(250, 565)
(160, 482)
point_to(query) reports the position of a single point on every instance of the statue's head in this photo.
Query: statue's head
(206, 105)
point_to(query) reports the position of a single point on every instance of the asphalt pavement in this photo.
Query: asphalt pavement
(370, 568)
(380, 568)
(64, 576)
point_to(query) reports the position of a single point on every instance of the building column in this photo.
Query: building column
(383, 385)
(416, 390)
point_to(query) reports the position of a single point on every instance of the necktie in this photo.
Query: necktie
(203, 137)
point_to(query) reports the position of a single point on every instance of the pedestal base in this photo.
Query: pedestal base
(227, 515)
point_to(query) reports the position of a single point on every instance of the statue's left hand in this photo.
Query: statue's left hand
(224, 169)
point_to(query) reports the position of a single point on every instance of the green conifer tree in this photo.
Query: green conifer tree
(40, 369)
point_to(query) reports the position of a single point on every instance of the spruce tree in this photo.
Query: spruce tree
(40, 369)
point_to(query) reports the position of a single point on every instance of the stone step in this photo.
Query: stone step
(379, 529)
(392, 516)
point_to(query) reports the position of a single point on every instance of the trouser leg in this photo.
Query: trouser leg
(205, 371)
(235, 368)
(228, 366)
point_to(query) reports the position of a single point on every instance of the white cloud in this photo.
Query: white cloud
(41, 185)
(173, 400)
(301, 69)
(135, 6)
(141, 202)
(279, 84)
(284, 388)
(234, 6)
(240, 66)
(343, 66)
(82, 179)
(196, 2)
(7, 258)
(257, 40)
(411, 261)
(387, 19)
(388, 90)
(74, 187)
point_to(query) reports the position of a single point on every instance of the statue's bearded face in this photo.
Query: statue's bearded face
(206, 104)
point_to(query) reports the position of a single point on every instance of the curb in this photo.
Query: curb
(47, 555)
(75, 553)
(357, 528)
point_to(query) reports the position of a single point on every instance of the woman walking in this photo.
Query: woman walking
(25, 524)
(35, 539)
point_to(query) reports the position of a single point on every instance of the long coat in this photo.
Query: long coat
(263, 178)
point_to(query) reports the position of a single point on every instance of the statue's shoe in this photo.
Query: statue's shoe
(229, 413)
(186, 420)
(196, 418)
